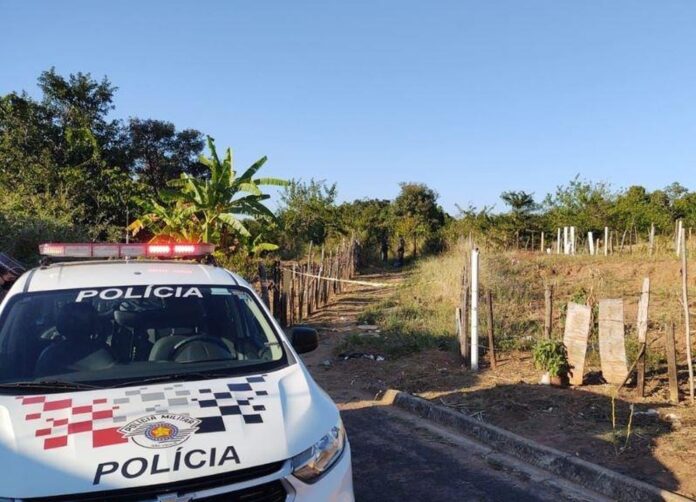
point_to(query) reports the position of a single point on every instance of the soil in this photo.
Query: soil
(655, 443)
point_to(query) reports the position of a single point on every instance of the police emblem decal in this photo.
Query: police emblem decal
(162, 430)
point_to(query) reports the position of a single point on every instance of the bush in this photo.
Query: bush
(27, 221)
(551, 356)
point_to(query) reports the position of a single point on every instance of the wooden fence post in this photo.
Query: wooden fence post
(291, 306)
(687, 318)
(464, 317)
(672, 365)
(548, 315)
(651, 239)
(301, 279)
(264, 284)
(320, 281)
(642, 335)
(283, 309)
(491, 344)
(474, 307)
(277, 288)
(680, 236)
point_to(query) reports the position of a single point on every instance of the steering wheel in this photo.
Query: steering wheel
(212, 340)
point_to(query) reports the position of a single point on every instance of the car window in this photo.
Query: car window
(117, 334)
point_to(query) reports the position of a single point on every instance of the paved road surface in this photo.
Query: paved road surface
(395, 458)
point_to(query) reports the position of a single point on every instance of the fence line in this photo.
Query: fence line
(293, 291)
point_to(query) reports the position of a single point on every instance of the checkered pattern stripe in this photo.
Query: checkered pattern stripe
(216, 405)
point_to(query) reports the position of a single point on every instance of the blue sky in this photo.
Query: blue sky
(470, 97)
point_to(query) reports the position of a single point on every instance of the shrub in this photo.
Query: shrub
(551, 356)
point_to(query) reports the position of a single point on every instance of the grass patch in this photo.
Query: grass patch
(418, 315)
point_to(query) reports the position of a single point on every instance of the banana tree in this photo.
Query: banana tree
(222, 198)
(175, 222)
(214, 204)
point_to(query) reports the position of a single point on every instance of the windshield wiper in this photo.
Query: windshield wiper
(48, 385)
(193, 375)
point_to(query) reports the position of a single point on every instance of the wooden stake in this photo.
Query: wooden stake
(642, 334)
(548, 315)
(464, 317)
(641, 352)
(464, 328)
(606, 241)
(491, 344)
(293, 289)
(680, 236)
(652, 239)
(687, 318)
(474, 308)
(672, 365)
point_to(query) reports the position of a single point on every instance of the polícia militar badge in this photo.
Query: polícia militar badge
(161, 430)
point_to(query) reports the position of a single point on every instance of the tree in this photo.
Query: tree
(212, 204)
(66, 143)
(62, 144)
(158, 152)
(581, 203)
(370, 220)
(522, 206)
(418, 215)
(308, 213)
(637, 208)
(520, 202)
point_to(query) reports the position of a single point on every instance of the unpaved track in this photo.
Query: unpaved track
(396, 457)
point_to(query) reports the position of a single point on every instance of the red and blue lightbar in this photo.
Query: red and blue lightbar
(116, 250)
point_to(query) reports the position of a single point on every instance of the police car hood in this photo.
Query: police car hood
(86, 441)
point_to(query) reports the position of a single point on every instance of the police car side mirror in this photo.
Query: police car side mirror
(304, 339)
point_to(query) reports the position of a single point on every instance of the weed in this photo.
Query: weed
(617, 433)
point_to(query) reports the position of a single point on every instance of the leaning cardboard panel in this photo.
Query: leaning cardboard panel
(577, 329)
(612, 348)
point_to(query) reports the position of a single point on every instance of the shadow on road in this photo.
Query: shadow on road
(395, 461)
(575, 421)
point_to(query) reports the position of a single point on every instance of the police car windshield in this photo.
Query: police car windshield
(111, 336)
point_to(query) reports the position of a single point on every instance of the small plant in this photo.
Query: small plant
(551, 356)
(616, 432)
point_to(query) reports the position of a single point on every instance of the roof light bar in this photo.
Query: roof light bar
(115, 250)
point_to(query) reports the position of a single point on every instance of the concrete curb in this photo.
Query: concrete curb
(588, 475)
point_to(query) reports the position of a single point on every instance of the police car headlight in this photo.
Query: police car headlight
(315, 461)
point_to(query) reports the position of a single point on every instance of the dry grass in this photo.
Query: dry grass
(420, 313)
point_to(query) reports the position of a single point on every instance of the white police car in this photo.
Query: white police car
(145, 379)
